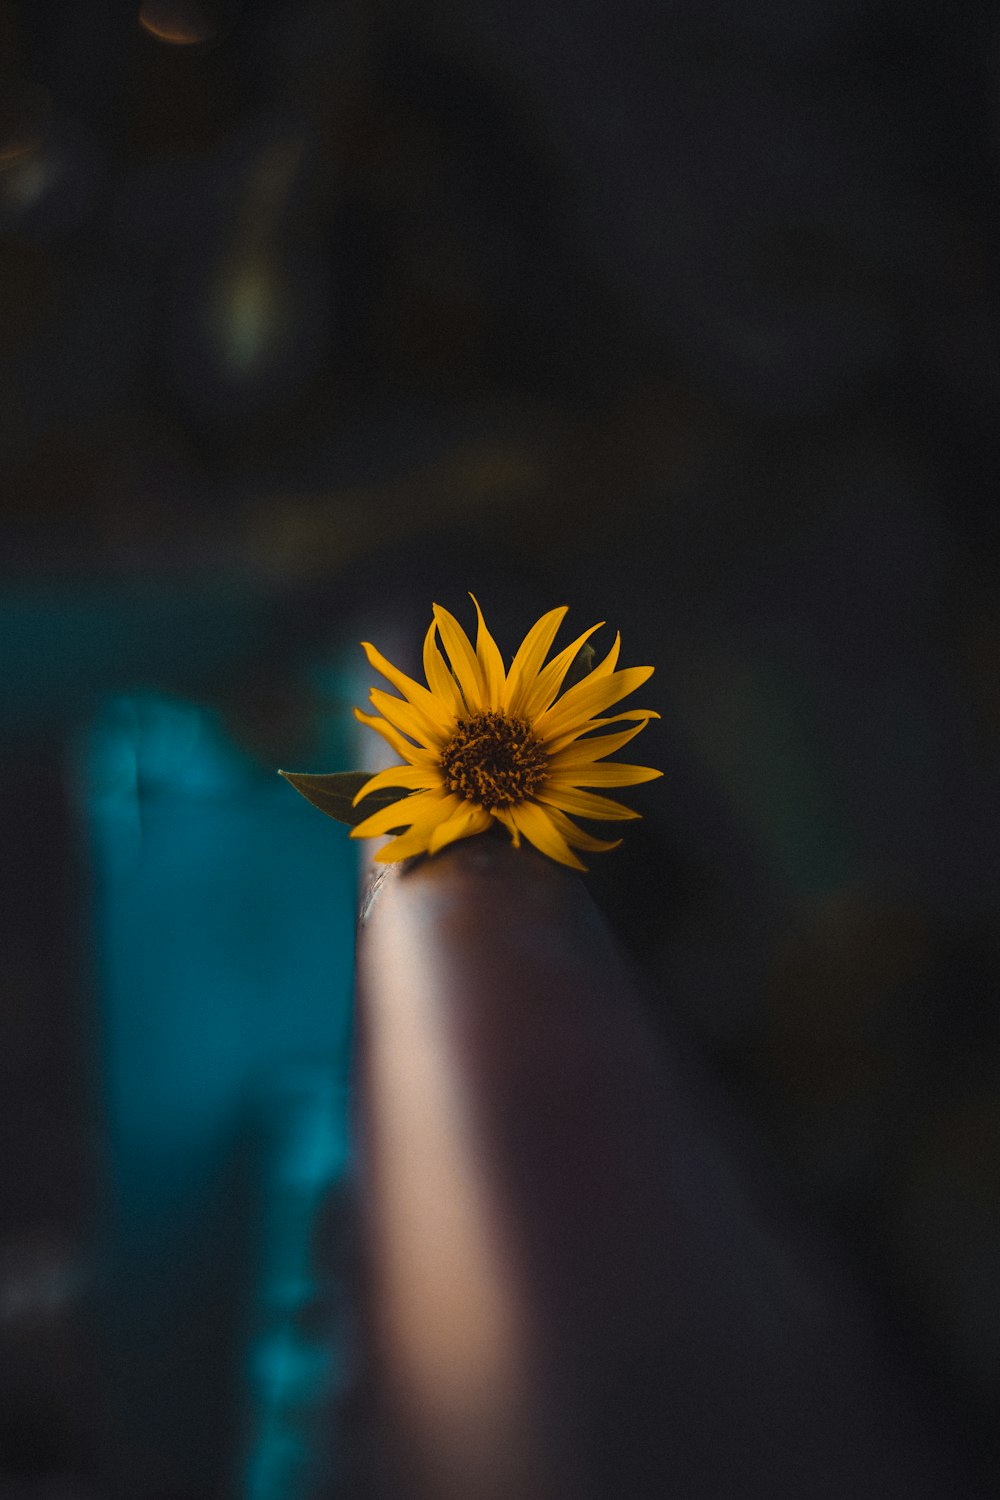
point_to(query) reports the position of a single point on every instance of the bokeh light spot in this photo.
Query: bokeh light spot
(180, 23)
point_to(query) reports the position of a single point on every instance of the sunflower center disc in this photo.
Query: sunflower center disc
(493, 760)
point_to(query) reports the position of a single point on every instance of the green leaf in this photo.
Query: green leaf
(580, 667)
(334, 794)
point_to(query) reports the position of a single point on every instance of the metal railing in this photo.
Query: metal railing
(579, 1282)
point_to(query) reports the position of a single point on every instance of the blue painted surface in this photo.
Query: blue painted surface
(66, 645)
(223, 919)
(299, 1364)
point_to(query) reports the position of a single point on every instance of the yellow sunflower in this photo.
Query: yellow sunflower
(483, 745)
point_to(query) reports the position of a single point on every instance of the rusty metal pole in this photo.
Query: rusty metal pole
(577, 1286)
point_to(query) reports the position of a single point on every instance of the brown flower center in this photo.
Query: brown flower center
(493, 760)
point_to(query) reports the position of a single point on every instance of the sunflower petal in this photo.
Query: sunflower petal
(469, 819)
(576, 837)
(417, 839)
(530, 655)
(628, 714)
(440, 681)
(404, 846)
(607, 666)
(585, 804)
(583, 752)
(604, 668)
(412, 778)
(464, 662)
(503, 816)
(604, 773)
(410, 720)
(409, 810)
(538, 828)
(413, 691)
(541, 694)
(415, 754)
(490, 661)
(578, 731)
(587, 698)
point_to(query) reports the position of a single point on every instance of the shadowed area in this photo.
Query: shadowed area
(582, 1280)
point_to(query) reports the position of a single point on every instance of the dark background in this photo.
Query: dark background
(680, 313)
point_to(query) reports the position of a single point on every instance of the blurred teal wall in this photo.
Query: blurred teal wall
(223, 912)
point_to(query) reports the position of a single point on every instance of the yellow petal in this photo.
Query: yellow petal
(604, 667)
(469, 819)
(605, 773)
(573, 735)
(539, 829)
(415, 754)
(582, 752)
(587, 698)
(539, 696)
(435, 711)
(464, 662)
(529, 658)
(585, 804)
(411, 720)
(416, 840)
(442, 684)
(503, 816)
(413, 778)
(629, 713)
(408, 810)
(490, 661)
(607, 666)
(403, 847)
(576, 837)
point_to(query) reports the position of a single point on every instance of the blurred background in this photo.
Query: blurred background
(681, 312)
